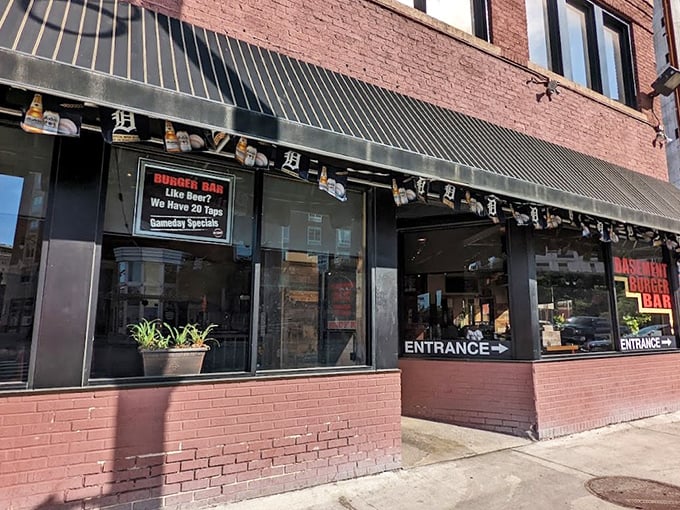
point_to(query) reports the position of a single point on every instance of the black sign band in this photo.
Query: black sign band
(174, 202)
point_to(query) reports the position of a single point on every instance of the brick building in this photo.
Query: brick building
(458, 213)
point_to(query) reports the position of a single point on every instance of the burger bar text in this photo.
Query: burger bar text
(179, 203)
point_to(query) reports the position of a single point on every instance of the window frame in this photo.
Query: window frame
(480, 16)
(597, 19)
(251, 368)
(260, 248)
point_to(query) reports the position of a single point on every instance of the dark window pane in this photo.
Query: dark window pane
(178, 282)
(573, 293)
(313, 280)
(25, 162)
(459, 294)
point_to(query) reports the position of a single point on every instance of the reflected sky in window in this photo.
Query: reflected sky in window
(578, 45)
(10, 199)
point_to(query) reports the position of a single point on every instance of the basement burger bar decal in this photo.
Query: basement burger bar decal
(646, 282)
(180, 203)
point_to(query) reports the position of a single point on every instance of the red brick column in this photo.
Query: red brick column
(487, 395)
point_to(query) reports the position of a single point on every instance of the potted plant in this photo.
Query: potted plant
(167, 350)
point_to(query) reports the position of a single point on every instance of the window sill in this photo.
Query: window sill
(605, 354)
(200, 379)
(490, 49)
(439, 26)
(589, 93)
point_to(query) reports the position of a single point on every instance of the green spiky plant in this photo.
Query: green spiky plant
(156, 335)
(199, 337)
(179, 337)
(148, 334)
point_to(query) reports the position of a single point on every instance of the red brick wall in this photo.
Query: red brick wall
(578, 395)
(380, 42)
(485, 395)
(548, 398)
(206, 443)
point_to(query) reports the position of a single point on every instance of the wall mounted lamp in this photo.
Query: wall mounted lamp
(666, 83)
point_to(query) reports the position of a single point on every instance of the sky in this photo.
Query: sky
(10, 198)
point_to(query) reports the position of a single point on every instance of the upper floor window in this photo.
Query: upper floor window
(584, 43)
(467, 15)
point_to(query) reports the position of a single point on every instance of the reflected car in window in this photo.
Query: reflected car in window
(654, 330)
(581, 329)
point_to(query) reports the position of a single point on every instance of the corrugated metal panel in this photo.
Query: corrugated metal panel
(196, 75)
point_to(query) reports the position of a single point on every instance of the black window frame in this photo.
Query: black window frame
(480, 16)
(597, 19)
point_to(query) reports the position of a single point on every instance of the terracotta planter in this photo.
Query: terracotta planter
(167, 362)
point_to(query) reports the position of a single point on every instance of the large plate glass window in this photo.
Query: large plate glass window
(643, 297)
(573, 293)
(585, 43)
(467, 15)
(191, 279)
(455, 293)
(312, 308)
(25, 162)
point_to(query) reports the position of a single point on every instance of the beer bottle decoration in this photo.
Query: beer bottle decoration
(33, 120)
(241, 150)
(171, 141)
(323, 179)
(395, 193)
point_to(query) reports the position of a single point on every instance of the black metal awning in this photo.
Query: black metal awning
(114, 54)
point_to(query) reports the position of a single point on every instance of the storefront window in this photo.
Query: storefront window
(312, 309)
(643, 297)
(25, 162)
(573, 293)
(178, 281)
(455, 292)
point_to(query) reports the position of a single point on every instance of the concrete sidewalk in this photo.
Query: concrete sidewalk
(448, 467)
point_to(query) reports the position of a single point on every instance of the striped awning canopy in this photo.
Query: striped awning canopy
(114, 54)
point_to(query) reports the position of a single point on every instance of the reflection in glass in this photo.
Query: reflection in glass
(312, 308)
(643, 291)
(457, 14)
(25, 162)
(178, 282)
(614, 63)
(175, 282)
(10, 199)
(537, 29)
(450, 292)
(578, 45)
(573, 293)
